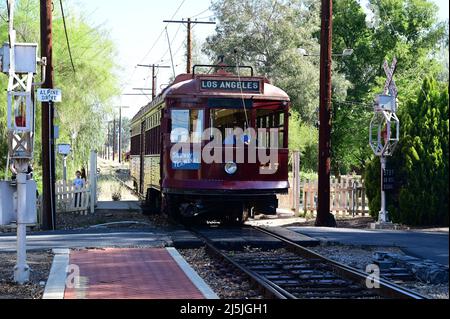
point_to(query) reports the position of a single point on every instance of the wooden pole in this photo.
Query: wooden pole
(324, 217)
(48, 198)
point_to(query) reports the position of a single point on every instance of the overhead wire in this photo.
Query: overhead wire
(198, 14)
(162, 32)
(67, 36)
(153, 46)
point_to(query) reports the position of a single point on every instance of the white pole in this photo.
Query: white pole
(382, 217)
(92, 180)
(21, 270)
(65, 169)
(297, 181)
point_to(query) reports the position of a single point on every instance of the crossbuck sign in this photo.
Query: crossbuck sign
(389, 86)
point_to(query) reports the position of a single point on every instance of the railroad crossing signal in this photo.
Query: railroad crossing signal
(384, 132)
(389, 86)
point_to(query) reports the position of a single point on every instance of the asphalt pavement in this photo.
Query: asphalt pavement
(424, 244)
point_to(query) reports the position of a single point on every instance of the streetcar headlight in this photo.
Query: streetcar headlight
(230, 168)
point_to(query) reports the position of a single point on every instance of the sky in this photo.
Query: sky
(137, 28)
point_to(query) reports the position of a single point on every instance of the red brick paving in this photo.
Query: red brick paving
(112, 273)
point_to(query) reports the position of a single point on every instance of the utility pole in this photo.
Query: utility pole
(48, 149)
(114, 139)
(324, 217)
(120, 134)
(189, 24)
(120, 131)
(154, 67)
(107, 145)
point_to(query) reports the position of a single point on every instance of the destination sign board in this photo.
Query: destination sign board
(185, 160)
(253, 86)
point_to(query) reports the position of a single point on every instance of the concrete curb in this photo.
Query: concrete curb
(56, 283)
(193, 276)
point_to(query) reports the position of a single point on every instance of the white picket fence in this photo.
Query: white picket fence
(347, 196)
(70, 199)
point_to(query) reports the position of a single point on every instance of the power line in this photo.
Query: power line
(198, 14)
(153, 46)
(162, 32)
(67, 37)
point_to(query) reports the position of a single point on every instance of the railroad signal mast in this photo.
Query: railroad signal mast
(385, 133)
(19, 61)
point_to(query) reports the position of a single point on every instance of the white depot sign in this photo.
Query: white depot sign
(49, 95)
(64, 149)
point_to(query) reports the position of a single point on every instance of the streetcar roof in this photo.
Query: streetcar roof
(188, 85)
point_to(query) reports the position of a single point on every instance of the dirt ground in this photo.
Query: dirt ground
(40, 264)
(71, 221)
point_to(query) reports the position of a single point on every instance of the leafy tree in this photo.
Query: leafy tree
(267, 35)
(421, 162)
(406, 29)
(87, 91)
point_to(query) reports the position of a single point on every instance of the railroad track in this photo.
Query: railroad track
(296, 272)
(131, 189)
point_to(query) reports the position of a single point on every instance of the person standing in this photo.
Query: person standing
(79, 184)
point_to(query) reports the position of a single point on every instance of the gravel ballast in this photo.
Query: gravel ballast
(40, 263)
(360, 257)
(222, 279)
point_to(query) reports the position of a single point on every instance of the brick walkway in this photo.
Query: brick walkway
(113, 273)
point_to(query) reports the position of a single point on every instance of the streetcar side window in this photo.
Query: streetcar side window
(187, 126)
(267, 119)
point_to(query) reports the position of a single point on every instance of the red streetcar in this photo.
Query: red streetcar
(212, 145)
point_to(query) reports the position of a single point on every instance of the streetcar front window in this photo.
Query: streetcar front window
(187, 126)
(269, 124)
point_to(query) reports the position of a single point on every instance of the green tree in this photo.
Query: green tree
(267, 35)
(87, 91)
(405, 29)
(421, 162)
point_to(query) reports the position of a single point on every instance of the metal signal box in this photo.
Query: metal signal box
(8, 203)
(25, 58)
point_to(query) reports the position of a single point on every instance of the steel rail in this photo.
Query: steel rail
(268, 289)
(386, 288)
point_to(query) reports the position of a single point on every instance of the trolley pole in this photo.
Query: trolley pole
(47, 118)
(189, 24)
(324, 217)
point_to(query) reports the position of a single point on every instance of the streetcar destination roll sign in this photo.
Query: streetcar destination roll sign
(253, 86)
